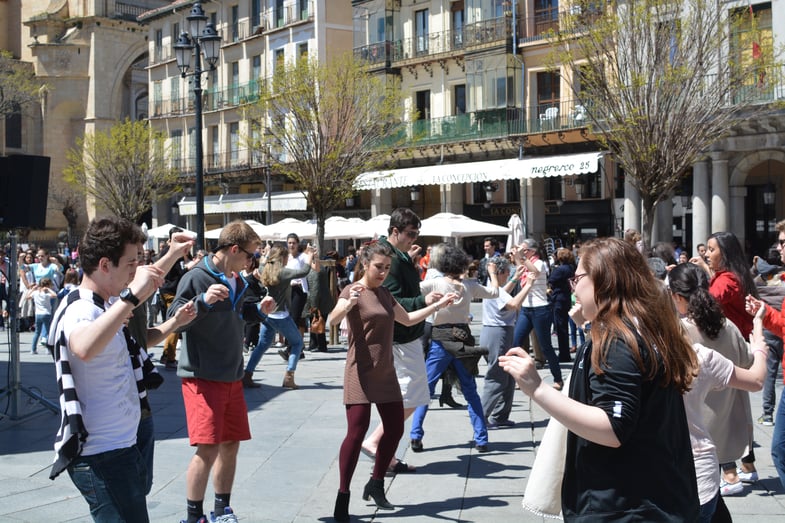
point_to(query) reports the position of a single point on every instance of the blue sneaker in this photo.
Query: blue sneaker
(228, 516)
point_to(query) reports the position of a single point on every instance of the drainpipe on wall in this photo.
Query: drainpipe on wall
(523, 183)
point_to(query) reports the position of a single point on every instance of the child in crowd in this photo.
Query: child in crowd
(42, 295)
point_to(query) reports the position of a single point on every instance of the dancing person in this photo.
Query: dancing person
(41, 295)
(403, 281)
(451, 338)
(628, 453)
(167, 292)
(772, 290)
(498, 325)
(277, 277)
(561, 299)
(731, 281)
(298, 260)
(211, 367)
(715, 392)
(370, 375)
(536, 312)
(96, 376)
(774, 321)
(445, 397)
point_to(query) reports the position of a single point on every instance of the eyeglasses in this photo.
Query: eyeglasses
(248, 255)
(575, 279)
(411, 234)
(781, 242)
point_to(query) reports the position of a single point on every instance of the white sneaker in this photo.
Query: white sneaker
(747, 477)
(731, 489)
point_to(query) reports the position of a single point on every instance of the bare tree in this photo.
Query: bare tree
(19, 87)
(124, 168)
(328, 124)
(69, 202)
(662, 80)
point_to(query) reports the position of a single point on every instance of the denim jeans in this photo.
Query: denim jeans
(42, 322)
(539, 319)
(287, 328)
(145, 442)
(113, 484)
(778, 440)
(575, 333)
(562, 326)
(708, 508)
(437, 362)
(773, 363)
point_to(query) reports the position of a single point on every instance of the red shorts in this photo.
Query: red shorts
(215, 411)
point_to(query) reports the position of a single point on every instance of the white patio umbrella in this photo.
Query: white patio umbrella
(258, 228)
(375, 227)
(516, 232)
(458, 226)
(162, 231)
(280, 229)
(340, 228)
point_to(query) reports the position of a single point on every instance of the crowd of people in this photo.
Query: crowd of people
(670, 347)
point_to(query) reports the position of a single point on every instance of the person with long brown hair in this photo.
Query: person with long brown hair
(628, 452)
(277, 277)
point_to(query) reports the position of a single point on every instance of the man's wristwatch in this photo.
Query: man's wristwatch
(127, 295)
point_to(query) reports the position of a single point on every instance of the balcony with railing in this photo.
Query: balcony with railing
(213, 99)
(544, 22)
(288, 15)
(485, 33)
(129, 10)
(221, 162)
(490, 124)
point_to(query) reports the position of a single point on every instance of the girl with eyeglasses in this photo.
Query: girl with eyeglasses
(628, 453)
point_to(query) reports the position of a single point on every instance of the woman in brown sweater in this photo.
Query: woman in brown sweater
(370, 375)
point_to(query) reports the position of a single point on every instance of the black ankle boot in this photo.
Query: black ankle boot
(448, 399)
(375, 489)
(341, 511)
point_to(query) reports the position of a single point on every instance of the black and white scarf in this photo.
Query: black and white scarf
(72, 434)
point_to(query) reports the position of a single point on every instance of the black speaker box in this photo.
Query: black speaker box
(24, 187)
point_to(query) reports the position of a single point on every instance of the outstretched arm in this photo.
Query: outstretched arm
(587, 421)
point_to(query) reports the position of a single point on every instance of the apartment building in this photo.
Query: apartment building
(256, 37)
(498, 131)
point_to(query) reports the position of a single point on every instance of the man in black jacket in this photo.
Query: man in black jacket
(167, 292)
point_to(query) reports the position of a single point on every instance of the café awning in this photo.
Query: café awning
(245, 203)
(475, 172)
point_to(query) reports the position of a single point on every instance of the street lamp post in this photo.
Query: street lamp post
(267, 182)
(202, 38)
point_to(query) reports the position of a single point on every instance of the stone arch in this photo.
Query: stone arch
(121, 95)
(742, 169)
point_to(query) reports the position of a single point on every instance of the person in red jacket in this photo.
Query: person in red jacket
(730, 282)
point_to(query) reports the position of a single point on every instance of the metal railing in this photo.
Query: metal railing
(213, 99)
(289, 14)
(162, 54)
(439, 42)
(491, 123)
